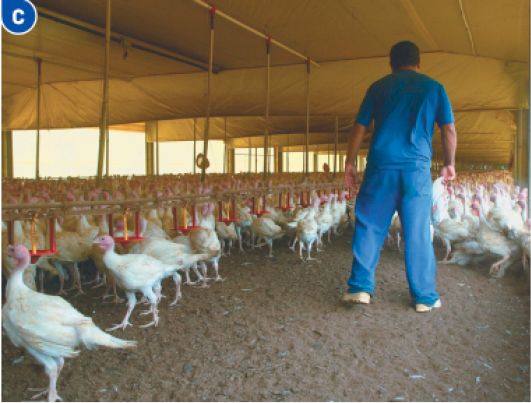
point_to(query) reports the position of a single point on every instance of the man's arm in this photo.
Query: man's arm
(449, 143)
(354, 143)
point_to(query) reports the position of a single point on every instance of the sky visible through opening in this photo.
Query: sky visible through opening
(74, 152)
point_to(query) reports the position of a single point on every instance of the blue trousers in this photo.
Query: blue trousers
(383, 192)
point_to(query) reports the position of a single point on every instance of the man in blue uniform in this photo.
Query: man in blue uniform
(405, 106)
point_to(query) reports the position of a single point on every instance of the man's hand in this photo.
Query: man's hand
(351, 176)
(448, 173)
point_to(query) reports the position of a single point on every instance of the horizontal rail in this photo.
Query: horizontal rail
(68, 208)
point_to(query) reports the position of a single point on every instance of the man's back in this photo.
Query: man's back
(405, 106)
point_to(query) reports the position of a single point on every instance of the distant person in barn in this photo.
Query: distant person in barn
(405, 105)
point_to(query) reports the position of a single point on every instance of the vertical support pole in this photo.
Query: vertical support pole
(528, 127)
(266, 131)
(107, 139)
(335, 147)
(316, 161)
(250, 156)
(232, 161)
(157, 146)
(38, 150)
(7, 154)
(195, 141)
(209, 99)
(149, 157)
(225, 149)
(275, 160)
(287, 156)
(307, 160)
(256, 160)
(104, 107)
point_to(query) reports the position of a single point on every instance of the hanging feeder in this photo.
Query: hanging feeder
(126, 239)
(34, 252)
(255, 212)
(302, 203)
(185, 228)
(228, 220)
(287, 206)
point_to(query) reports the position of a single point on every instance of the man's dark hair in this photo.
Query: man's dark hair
(404, 54)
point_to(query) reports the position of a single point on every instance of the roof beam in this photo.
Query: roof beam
(119, 38)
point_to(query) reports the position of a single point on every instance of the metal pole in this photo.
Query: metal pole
(38, 151)
(107, 151)
(104, 108)
(335, 147)
(157, 140)
(209, 102)
(266, 131)
(256, 160)
(306, 151)
(225, 150)
(250, 154)
(528, 121)
(287, 156)
(195, 152)
(254, 31)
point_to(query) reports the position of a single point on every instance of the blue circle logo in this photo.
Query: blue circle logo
(18, 16)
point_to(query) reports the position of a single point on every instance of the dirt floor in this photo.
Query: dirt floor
(275, 331)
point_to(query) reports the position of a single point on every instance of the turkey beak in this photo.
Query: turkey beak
(95, 241)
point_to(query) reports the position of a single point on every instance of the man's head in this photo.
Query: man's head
(405, 55)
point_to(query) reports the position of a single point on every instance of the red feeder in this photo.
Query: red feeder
(227, 220)
(126, 239)
(288, 206)
(304, 205)
(185, 229)
(349, 197)
(258, 213)
(37, 253)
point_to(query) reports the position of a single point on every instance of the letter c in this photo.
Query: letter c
(17, 20)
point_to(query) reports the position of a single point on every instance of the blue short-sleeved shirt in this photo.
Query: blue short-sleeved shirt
(405, 106)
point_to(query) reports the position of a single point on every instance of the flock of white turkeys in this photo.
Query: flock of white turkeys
(480, 218)
(50, 328)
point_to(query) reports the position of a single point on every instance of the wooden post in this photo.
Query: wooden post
(107, 139)
(7, 154)
(195, 141)
(149, 157)
(335, 147)
(287, 156)
(209, 99)
(104, 107)
(157, 142)
(38, 150)
(266, 131)
(250, 156)
(307, 161)
(256, 160)
(225, 149)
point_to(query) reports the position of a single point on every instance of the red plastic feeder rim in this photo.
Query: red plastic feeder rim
(188, 228)
(39, 252)
(123, 240)
(227, 220)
